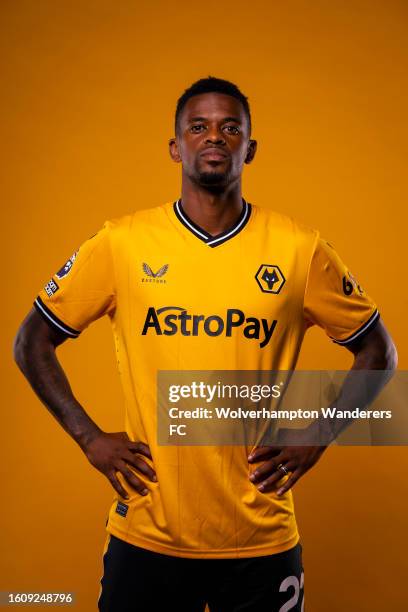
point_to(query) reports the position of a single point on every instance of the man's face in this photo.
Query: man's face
(212, 140)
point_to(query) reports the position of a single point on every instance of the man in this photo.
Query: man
(209, 282)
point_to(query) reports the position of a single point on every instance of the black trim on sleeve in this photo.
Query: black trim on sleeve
(52, 319)
(362, 331)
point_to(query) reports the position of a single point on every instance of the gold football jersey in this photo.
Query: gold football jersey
(181, 299)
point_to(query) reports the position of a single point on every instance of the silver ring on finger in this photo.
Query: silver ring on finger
(283, 469)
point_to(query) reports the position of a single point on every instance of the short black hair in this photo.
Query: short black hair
(212, 85)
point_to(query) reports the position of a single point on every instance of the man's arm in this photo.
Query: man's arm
(374, 351)
(35, 353)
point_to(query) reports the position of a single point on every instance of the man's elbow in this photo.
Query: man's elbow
(21, 347)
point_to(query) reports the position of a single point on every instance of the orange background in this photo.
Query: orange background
(87, 109)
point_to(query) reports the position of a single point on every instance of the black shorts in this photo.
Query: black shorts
(136, 579)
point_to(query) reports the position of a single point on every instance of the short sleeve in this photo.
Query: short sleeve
(334, 300)
(83, 290)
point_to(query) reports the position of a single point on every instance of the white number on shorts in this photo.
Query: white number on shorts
(291, 581)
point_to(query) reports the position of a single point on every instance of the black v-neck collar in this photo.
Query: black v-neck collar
(213, 241)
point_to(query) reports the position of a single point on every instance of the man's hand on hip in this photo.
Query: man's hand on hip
(280, 461)
(111, 453)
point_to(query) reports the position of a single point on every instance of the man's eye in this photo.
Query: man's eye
(196, 128)
(232, 129)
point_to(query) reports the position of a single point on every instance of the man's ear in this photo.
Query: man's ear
(252, 145)
(173, 150)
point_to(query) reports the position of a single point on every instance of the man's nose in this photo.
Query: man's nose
(214, 136)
